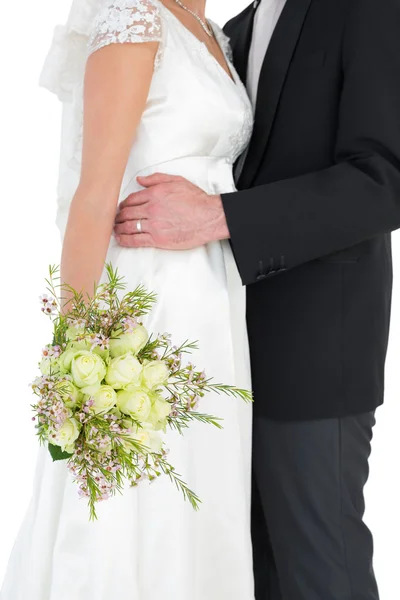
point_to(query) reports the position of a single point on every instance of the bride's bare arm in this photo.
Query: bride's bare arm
(117, 83)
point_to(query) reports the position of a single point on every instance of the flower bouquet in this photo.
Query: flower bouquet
(108, 390)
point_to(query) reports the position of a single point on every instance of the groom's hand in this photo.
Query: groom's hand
(172, 214)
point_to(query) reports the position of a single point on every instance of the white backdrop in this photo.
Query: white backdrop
(29, 124)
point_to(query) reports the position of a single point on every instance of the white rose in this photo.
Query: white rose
(66, 358)
(155, 374)
(70, 449)
(66, 436)
(88, 371)
(104, 399)
(49, 366)
(130, 427)
(160, 411)
(122, 343)
(134, 402)
(70, 394)
(75, 331)
(123, 371)
(149, 439)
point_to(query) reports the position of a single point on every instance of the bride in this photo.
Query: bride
(148, 87)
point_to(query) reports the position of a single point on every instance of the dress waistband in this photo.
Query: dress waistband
(213, 174)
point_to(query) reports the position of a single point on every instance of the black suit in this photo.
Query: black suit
(310, 227)
(320, 194)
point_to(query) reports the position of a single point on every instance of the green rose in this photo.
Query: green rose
(88, 371)
(66, 436)
(130, 426)
(75, 331)
(122, 343)
(104, 354)
(69, 393)
(155, 374)
(49, 366)
(71, 350)
(123, 371)
(134, 402)
(104, 399)
(65, 360)
(149, 439)
(160, 411)
(87, 344)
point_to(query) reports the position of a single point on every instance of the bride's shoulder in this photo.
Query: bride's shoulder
(126, 21)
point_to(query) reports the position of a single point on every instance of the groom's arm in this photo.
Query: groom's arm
(359, 197)
(306, 217)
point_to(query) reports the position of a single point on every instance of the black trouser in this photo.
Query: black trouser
(309, 538)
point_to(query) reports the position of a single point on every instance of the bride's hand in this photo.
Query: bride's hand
(170, 213)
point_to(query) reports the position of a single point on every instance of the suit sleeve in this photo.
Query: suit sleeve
(300, 219)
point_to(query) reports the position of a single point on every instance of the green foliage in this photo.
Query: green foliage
(103, 312)
(57, 454)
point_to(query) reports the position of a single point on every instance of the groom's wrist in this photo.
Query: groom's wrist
(218, 227)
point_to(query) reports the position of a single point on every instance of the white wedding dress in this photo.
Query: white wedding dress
(149, 544)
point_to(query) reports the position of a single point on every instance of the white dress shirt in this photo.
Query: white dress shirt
(265, 21)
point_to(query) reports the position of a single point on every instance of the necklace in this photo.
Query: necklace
(204, 24)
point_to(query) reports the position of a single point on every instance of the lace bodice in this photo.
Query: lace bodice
(194, 108)
(135, 21)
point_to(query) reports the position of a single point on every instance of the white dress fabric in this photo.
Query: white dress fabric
(149, 544)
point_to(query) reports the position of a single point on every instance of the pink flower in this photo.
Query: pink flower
(49, 304)
(101, 341)
(129, 324)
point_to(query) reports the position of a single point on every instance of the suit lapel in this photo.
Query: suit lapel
(272, 80)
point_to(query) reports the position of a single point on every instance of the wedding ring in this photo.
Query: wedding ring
(139, 226)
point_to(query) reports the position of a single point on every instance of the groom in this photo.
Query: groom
(319, 194)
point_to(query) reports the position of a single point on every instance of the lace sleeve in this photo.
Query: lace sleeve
(126, 21)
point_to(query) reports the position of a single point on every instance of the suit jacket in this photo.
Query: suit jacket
(318, 197)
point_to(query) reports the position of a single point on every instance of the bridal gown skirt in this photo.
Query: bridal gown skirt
(149, 544)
